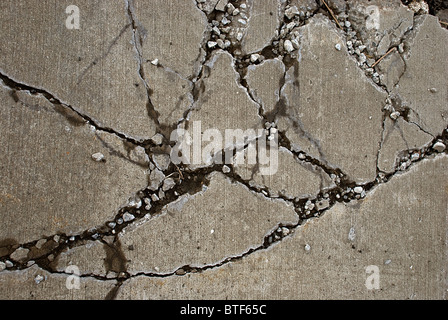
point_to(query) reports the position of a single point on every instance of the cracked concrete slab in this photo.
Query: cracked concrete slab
(428, 99)
(49, 176)
(393, 20)
(204, 229)
(400, 140)
(293, 179)
(94, 71)
(265, 82)
(37, 284)
(408, 247)
(171, 32)
(328, 115)
(261, 26)
(337, 109)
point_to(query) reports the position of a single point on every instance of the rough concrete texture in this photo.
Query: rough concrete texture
(348, 99)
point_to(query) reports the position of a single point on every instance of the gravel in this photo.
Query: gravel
(127, 217)
(98, 156)
(439, 146)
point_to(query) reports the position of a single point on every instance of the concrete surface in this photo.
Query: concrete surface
(351, 103)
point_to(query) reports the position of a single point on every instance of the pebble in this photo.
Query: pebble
(38, 279)
(288, 46)
(2, 266)
(291, 12)
(155, 62)
(285, 231)
(394, 115)
(415, 156)
(242, 21)
(338, 46)
(225, 169)
(20, 254)
(225, 21)
(211, 44)
(254, 57)
(9, 264)
(98, 156)
(168, 184)
(307, 247)
(358, 190)
(351, 234)
(135, 202)
(127, 217)
(221, 5)
(388, 261)
(439, 146)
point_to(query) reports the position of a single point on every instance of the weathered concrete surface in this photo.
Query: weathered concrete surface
(344, 110)
(292, 178)
(398, 137)
(394, 20)
(88, 187)
(50, 183)
(37, 284)
(204, 229)
(94, 69)
(399, 227)
(171, 32)
(263, 21)
(423, 85)
(265, 80)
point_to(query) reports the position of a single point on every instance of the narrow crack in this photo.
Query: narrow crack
(68, 111)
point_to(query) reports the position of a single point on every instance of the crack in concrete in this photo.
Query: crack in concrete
(68, 111)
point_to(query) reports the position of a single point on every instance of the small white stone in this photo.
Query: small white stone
(127, 217)
(358, 190)
(168, 184)
(439, 146)
(338, 46)
(157, 139)
(291, 12)
(20, 254)
(242, 21)
(225, 169)
(394, 115)
(155, 62)
(288, 46)
(415, 156)
(2, 266)
(351, 234)
(254, 57)
(307, 247)
(388, 261)
(38, 279)
(211, 44)
(98, 156)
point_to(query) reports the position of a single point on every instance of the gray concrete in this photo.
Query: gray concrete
(352, 203)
